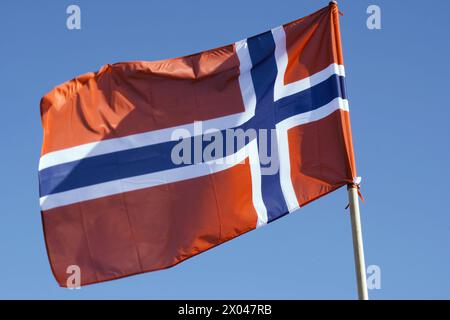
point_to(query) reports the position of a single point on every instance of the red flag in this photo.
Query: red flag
(145, 164)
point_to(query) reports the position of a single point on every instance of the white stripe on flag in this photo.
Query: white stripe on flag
(255, 170)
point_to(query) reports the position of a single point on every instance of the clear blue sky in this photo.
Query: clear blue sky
(398, 81)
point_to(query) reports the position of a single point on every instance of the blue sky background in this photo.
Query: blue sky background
(398, 80)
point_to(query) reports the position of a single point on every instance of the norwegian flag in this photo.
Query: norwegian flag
(113, 200)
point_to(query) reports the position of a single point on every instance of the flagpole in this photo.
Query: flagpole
(358, 249)
(360, 265)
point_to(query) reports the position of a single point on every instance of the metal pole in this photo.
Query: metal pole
(360, 265)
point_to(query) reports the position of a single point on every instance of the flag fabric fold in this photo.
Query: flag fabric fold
(114, 200)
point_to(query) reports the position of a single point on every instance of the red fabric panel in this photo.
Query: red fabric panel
(149, 229)
(321, 156)
(135, 97)
(312, 44)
